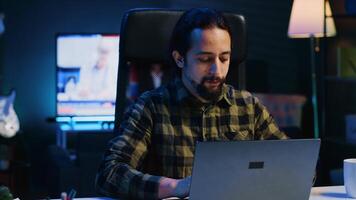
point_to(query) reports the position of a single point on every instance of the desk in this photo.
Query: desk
(317, 193)
(328, 193)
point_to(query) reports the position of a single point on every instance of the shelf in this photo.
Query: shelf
(334, 150)
(340, 79)
(341, 144)
(339, 96)
(344, 16)
(337, 140)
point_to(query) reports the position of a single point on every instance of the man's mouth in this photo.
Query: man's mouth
(213, 82)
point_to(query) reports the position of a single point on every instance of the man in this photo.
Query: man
(152, 156)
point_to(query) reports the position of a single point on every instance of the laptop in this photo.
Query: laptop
(254, 170)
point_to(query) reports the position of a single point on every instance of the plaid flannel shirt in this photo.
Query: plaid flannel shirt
(158, 134)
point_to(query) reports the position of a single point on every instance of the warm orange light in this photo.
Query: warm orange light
(307, 19)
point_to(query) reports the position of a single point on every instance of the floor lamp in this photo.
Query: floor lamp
(307, 21)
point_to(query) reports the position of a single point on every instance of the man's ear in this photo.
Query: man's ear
(178, 59)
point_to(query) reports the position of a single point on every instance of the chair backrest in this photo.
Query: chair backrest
(145, 35)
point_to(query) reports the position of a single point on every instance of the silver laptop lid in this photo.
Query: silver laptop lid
(254, 170)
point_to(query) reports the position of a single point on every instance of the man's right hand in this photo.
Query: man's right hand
(169, 187)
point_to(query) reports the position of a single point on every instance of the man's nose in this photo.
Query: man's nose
(215, 68)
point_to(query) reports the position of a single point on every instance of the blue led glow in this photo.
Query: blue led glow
(86, 119)
(82, 127)
(86, 123)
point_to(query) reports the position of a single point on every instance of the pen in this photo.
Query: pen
(72, 194)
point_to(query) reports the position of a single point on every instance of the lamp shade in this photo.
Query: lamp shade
(307, 19)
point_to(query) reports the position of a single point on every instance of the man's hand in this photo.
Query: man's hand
(169, 187)
(183, 186)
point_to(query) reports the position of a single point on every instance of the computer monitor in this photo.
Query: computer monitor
(86, 75)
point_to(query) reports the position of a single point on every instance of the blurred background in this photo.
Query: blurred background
(34, 164)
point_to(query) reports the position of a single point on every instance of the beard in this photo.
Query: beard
(210, 94)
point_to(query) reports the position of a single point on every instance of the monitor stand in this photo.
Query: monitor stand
(77, 125)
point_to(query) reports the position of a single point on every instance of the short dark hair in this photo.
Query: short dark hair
(203, 18)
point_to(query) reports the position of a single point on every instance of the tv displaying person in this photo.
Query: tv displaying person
(152, 155)
(98, 79)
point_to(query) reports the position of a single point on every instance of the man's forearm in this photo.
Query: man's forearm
(121, 181)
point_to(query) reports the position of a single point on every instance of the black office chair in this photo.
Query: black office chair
(145, 35)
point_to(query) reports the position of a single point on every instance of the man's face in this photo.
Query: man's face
(207, 62)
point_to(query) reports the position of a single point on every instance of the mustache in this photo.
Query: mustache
(212, 78)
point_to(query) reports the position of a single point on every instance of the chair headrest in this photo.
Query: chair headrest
(145, 34)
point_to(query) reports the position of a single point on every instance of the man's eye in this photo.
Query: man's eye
(224, 59)
(203, 59)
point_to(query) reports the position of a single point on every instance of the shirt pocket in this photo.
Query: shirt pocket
(231, 133)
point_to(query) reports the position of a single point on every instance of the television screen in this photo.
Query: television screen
(87, 66)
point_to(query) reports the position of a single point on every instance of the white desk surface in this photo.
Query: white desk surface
(328, 193)
(317, 193)
(92, 198)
